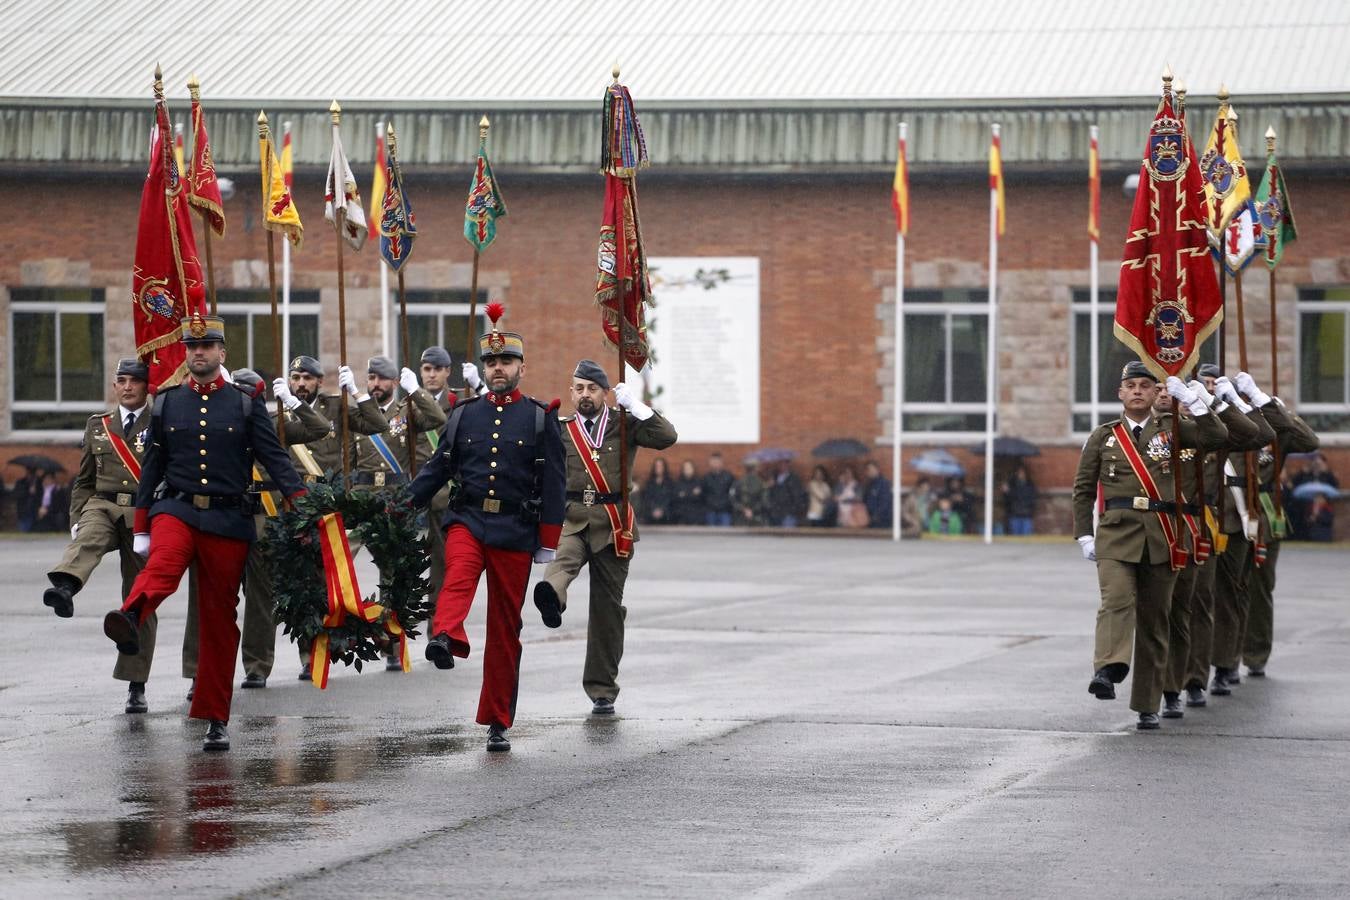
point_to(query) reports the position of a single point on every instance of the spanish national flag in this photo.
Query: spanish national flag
(900, 187)
(378, 183)
(996, 175)
(1094, 189)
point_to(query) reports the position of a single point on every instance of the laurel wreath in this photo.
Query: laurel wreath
(386, 525)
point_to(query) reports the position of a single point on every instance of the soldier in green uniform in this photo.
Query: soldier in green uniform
(435, 368)
(1131, 459)
(1242, 435)
(258, 645)
(382, 459)
(1292, 436)
(592, 532)
(102, 504)
(1201, 643)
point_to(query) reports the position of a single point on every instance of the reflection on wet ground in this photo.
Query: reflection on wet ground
(280, 782)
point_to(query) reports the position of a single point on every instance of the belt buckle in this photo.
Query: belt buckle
(588, 497)
(123, 499)
(492, 505)
(379, 479)
(1141, 503)
(310, 479)
(201, 501)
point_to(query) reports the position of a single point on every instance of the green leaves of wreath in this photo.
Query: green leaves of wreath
(386, 524)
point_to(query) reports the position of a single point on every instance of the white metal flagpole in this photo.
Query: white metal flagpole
(286, 286)
(991, 368)
(1094, 310)
(898, 387)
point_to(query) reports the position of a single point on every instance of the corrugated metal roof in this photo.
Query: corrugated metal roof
(450, 52)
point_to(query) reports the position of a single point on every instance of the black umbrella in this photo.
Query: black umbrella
(840, 448)
(37, 461)
(1009, 446)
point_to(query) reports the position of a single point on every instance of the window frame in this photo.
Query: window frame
(263, 307)
(422, 308)
(1342, 307)
(947, 309)
(58, 308)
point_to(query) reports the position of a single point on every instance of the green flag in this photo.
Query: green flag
(1277, 218)
(485, 205)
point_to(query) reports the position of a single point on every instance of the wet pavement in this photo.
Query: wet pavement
(802, 716)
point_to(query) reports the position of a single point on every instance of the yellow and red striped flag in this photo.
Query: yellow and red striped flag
(378, 185)
(286, 174)
(178, 149)
(996, 174)
(900, 187)
(1094, 189)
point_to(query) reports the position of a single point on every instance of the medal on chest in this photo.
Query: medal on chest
(139, 442)
(595, 439)
(397, 426)
(1111, 471)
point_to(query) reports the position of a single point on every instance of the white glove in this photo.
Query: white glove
(74, 528)
(407, 380)
(1247, 385)
(1198, 387)
(282, 391)
(346, 380)
(1088, 544)
(140, 544)
(1188, 398)
(470, 373)
(626, 399)
(225, 373)
(1224, 390)
(545, 555)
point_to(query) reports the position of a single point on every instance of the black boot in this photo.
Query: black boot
(547, 602)
(217, 736)
(136, 697)
(123, 627)
(1101, 686)
(1172, 705)
(1195, 695)
(1148, 722)
(438, 651)
(60, 596)
(497, 742)
(1220, 686)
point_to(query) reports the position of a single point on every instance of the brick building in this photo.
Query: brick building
(795, 174)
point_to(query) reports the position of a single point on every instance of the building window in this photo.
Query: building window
(946, 353)
(248, 329)
(1324, 358)
(56, 358)
(436, 318)
(1112, 356)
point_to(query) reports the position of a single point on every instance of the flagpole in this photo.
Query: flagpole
(285, 276)
(1271, 245)
(264, 134)
(623, 356)
(898, 387)
(384, 270)
(991, 391)
(391, 149)
(194, 92)
(1094, 292)
(339, 219)
(483, 125)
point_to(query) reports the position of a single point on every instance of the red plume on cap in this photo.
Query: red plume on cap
(494, 311)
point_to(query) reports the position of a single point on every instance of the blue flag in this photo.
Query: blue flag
(398, 226)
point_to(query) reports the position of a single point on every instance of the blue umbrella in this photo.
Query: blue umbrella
(1309, 489)
(937, 462)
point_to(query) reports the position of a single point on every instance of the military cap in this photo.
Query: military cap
(307, 364)
(200, 329)
(134, 367)
(250, 381)
(437, 356)
(589, 370)
(382, 366)
(1135, 369)
(497, 342)
(1208, 370)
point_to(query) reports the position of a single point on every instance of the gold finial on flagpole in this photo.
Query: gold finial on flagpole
(391, 139)
(1270, 139)
(483, 126)
(1167, 77)
(159, 82)
(615, 71)
(194, 87)
(1223, 95)
(1181, 96)
(262, 124)
(335, 112)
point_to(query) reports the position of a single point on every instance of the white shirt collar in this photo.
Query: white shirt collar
(132, 412)
(1142, 423)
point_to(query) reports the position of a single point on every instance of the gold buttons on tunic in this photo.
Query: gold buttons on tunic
(203, 481)
(201, 437)
(202, 451)
(499, 409)
(202, 423)
(493, 464)
(492, 478)
(203, 467)
(494, 449)
(495, 435)
(491, 492)
(496, 421)
(203, 409)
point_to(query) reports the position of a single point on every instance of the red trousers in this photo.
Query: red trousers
(175, 545)
(508, 573)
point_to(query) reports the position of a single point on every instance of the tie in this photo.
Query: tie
(590, 427)
(1138, 430)
(126, 426)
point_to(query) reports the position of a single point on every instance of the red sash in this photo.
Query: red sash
(623, 537)
(122, 450)
(1151, 489)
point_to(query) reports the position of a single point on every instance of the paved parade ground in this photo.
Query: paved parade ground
(803, 716)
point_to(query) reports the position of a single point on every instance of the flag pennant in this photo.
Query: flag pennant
(166, 281)
(623, 289)
(279, 212)
(1242, 240)
(397, 225)
(1094, 189)
(996, 175)
(485, 204)
(1274, 213)
(900, 187)
(1224, 174)
(340, 192)
(1168, 299)
(287, 157)
(203, 189)
(378, 180)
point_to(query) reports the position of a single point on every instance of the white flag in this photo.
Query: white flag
(342, 183)
(1241, 240)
